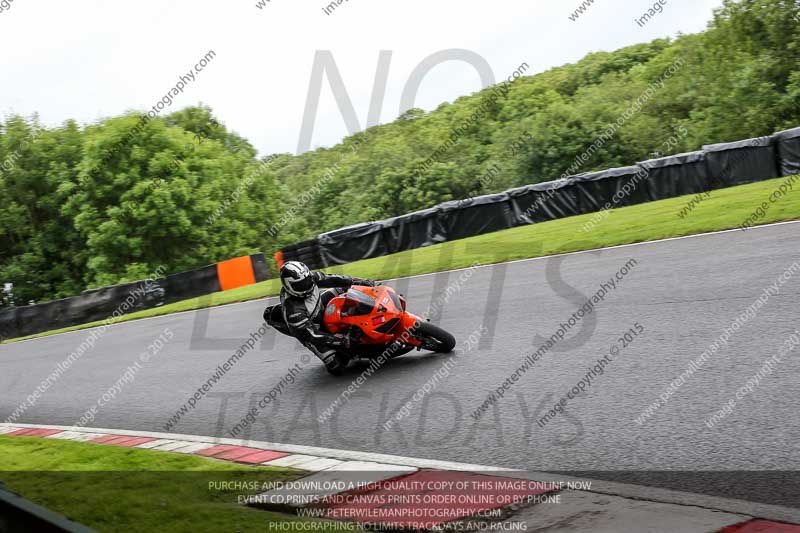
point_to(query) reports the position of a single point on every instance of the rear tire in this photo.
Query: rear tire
(435, 338)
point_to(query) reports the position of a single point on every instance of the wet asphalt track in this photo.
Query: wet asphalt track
(682, 292)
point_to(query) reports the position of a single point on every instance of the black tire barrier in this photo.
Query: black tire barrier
(618, 187)
(676, 175)
(742, 162)
(414, 230)
(788, 144)
(9, 327)
(100, 304)
(714, 167)
(476, 216)
(260, 267)
(192, 284)
(350, 244)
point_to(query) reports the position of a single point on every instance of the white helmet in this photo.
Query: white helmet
(297, 278)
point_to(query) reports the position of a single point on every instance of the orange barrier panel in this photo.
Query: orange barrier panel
(279, 259)
(236, 272)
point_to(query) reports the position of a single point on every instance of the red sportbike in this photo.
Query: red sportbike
(378, 326)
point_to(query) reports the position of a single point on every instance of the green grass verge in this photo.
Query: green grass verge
(723, 209)
(113, 489)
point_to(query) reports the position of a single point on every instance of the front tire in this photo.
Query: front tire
(435, 338)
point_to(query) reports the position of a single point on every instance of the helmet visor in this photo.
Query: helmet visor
(301, 286)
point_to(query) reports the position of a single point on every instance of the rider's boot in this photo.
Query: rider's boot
(333, 362)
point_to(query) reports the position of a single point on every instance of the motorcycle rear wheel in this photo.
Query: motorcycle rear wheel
(435, 338)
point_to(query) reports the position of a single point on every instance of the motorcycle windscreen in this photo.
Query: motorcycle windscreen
(357, 303)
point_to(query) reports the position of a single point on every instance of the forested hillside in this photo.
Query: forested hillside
(97, 204)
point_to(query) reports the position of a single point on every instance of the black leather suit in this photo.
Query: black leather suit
(301, 317)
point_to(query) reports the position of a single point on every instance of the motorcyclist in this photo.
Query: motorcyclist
(302, 307)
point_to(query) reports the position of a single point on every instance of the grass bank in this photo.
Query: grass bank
(112, 489)
(719, 210)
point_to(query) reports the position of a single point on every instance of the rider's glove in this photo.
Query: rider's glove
(365, 282)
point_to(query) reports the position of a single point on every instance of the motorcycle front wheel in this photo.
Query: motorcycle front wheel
(434, 338)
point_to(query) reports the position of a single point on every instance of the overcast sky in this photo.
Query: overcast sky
(88, 59)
